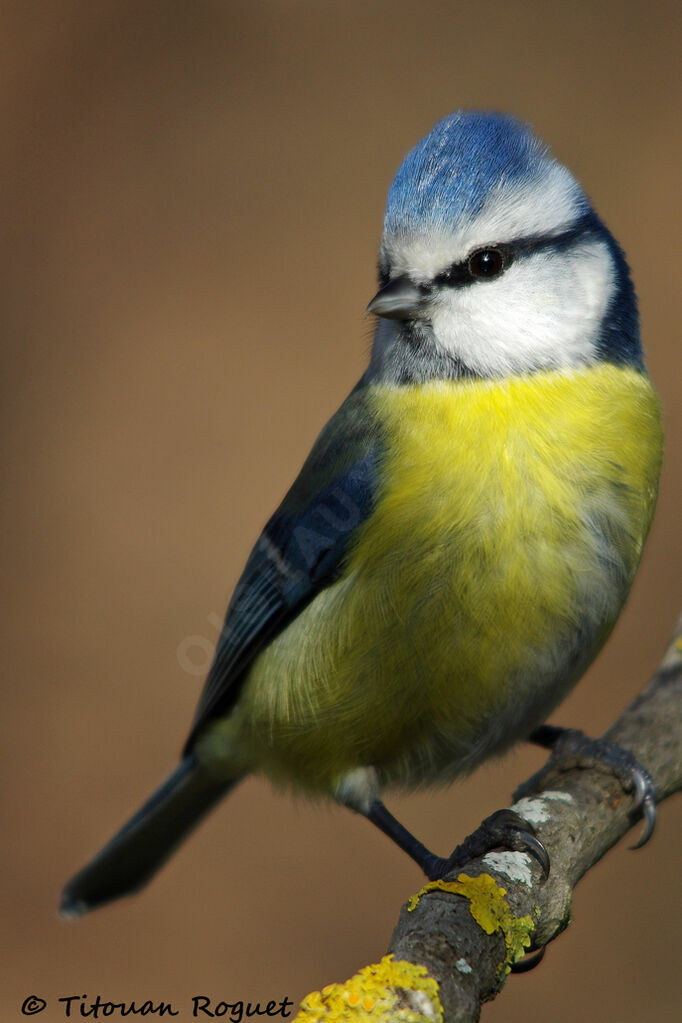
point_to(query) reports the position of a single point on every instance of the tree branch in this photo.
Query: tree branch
(455, 943)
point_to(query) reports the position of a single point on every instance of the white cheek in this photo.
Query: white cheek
(544, 312)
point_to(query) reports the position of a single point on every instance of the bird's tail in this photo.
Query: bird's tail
(142, 845)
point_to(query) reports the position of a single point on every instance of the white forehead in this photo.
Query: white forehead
(543, 205)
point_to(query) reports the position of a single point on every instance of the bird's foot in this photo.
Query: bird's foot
(504, 829)
(572, 748)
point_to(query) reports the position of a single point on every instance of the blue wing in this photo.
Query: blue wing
(300, 551)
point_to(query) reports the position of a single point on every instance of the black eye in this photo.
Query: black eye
(486, 263)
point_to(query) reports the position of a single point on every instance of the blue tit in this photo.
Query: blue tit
(462, 537)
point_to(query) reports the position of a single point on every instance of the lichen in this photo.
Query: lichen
(391, 991)
(490, 910)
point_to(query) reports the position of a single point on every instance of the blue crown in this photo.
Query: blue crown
(451, 172)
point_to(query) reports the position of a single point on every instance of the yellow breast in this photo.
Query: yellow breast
(508, 526)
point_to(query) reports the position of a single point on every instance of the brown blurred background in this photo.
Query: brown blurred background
(192, 197)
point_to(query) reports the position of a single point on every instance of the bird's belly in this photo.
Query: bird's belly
(444, 660)
(485, 581)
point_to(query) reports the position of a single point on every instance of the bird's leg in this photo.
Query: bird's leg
(359, 790)
(431, 864)
(503, 829)
(572, 748)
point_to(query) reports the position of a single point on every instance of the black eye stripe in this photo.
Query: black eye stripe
(558, 242)
(460, 273)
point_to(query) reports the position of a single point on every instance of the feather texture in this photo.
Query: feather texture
(508, 525)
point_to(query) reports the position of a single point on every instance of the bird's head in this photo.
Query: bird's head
(493, 262)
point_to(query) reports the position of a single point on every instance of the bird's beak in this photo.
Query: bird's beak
(400, 299)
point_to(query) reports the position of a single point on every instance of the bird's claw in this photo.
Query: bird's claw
(511, 830)
(644, 803)
(529, 962)
(504, 829)
(574, 748)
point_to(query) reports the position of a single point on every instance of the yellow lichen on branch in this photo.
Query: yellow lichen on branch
(490, 910)
(391, 991)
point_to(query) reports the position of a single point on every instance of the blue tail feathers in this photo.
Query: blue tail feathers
(144, 843)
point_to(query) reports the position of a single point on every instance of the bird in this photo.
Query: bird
(463, 535)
